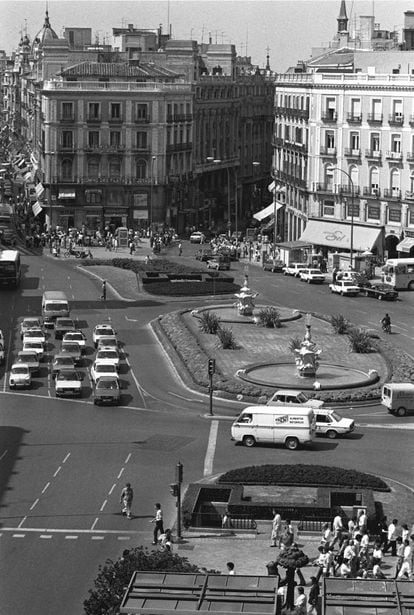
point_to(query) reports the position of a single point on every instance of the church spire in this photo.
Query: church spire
(342, 18)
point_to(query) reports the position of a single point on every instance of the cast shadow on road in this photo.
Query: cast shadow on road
(113, 304)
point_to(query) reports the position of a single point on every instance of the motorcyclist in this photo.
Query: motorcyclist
(386, 322)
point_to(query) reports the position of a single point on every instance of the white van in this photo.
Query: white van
(289, 425)
(331, 424)
(292, 396)
(54, 305)
(398, 397)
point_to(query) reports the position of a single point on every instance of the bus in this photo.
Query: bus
(10, 268)
(399, 273)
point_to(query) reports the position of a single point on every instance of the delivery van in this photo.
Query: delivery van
(54, 305)
(398, 397)
(289, 425)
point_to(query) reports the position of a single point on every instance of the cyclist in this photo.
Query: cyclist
(386, 323)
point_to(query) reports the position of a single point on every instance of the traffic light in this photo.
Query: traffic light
(174, 488)
(179, 472)
(211, 366)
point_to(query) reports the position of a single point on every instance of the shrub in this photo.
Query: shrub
(339, 324)
(294, 343)
(269, 317)
(226, 338)
(209, 322)
(360, 341)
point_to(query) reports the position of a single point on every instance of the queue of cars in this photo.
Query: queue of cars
(70, 355)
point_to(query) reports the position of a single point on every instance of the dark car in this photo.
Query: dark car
(383, 292)
(204, 254)
(276, 266)
(62, 326)
(72, 349)
(62, 361)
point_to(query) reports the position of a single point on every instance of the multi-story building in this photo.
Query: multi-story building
(343, 143)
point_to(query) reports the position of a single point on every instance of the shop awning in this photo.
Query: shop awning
(268, 211)
(338, 236)
(405, 245)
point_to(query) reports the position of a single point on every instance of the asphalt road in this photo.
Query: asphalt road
(63, 462)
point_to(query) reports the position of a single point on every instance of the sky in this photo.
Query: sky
(289, 29)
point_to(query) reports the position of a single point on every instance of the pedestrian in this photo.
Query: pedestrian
(313, 597)
(326, 535)
(362, 522)
(406, 568)
(230, 568)
(165, 540)
(400, 555)
(103, 294)
(127, 495)
(180, 249)
(338, 529)
(131, 247)
(276, 534)
(393, 532)
(334, 274)
(301, 602)
(159, 525)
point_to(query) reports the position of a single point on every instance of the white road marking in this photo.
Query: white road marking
(211, 448)
(128, 458)
(45, 487)
(124, 537)
(409, 426)
(120, 473)
(198, 401)
(57, 471)
(66, 458)
(97, 537)
(399, 327)
(94, 523)
(131, 319)
(3, 454)
(37, 530)
(112, 489)
(19, 535)
(35, 503)
(21, 522)
(47, 536)
(103, 505)
(71, 537)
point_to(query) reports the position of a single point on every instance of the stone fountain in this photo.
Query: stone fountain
(307, 355)
(245, 297)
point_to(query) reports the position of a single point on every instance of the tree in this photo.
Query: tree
(292, 559)
(114, 577)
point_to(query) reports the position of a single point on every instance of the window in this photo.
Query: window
(373, 212)
(141, 111)
(328, 208)
(93, 138)
(329, 177)
(141, 169)
(67, 139)
(287, 133)
(374, 181)
(411, 217)
(115, 138)
(115, 168)
(330, 139)
(115, 111)
(66, 169)
(354, 141)
(395, 182)
(355, 107)
(93, 169)
(331, 108)
(397, 108)
(375, 141)
(141, 140)
(396, 143)
(67, 111)
(376, 109)
(93, 111)
(394, 215)
(93, 196)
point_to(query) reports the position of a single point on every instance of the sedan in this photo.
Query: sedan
(62, 326)
(108, 342)
(72, 349)
(30, 322)
(75, 337)
(34, 335)
(107, 390)
(103, 369)
(36, 347)
(29, 358)
(275, 266)
(108, 355)
(102, 331)
(312, 275)
(380, 291)
(68, 382)
(62, 361)
(20, 376)
(344, 287)
(197, 237)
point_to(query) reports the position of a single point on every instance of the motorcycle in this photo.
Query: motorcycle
(386, 327)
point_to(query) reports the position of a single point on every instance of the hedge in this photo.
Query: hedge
(300, 474)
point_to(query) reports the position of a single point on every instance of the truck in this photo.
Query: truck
(398, 397)
(54, 305)
(291, 425)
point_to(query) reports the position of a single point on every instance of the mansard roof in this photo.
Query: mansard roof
(96, 70)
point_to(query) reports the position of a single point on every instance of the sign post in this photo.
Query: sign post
(211, 372)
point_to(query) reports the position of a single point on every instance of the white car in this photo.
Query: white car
(294, 269)
(29, 358)
(102, 331)
(103, 369)
(34, 335)
(33, 346)
(68, 382)
(108, 342)
(293, 396)
(75, 337)
(331, 424)
(30, 322)
(108, 355)
(197, 237)
(20, 376)
(345, 287)
(312, 275)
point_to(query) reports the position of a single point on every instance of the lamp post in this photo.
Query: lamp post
(351, 259)
(151, 191)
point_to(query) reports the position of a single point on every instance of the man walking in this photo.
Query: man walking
(159, 525)
(127, 495)
(103, 295)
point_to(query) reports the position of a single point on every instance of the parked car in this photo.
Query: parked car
(107, 390)
(380, 291)
(72, 349)
(20, 376)
(37, 347)
(294, 269)
(345, 287)
(76, 337)
(34, 335)
(220, 261)
(204, 254)
(29, 358)
(61, 361)
(275, 266)
(197, 237)
(102, 330)
(62, 326)
(68, 382)
(103, 369)
(30, 322)
(312, 275)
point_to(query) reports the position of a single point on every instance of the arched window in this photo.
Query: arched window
(93, 168)
(141, 169)
(115, 168)
(328, 177)
(354, 174)
(374, 181)
(66, 169)
(395, 180)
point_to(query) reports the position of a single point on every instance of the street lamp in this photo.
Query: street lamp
(153, 159)
(351, 259)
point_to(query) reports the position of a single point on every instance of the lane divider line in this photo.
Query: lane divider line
(3, 454)
(21, 522)
(128, 458)
(34, 504)
(112, 489)
(66, 458)
(45, 487)
(103, 505)
(120, 473)
(57, 471)
(94, 524)
(211, 448)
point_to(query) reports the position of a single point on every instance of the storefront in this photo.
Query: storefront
(338, 236)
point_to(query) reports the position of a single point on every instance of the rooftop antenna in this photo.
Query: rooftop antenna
(168, 17)
(202, 34)
(247, 38)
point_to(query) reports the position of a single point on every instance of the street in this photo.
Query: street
(64, 462)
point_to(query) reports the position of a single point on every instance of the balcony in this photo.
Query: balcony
(410, 157)
(409, 196)
(347, 189)
(375, 118)
(351, 118)
(324, 188)
(373, 193)
(104, 149)
(142, 120)
(67, 149)
(396, 156)
(392, 194)
(330, 117)
(411, 121)
(78, 179)
(396, 119)
(179, 117)
(328, 151)
(67, 119)
(277, 142)
(179, 147)
(352, 153)
(94, 119)
(115, 120)
(374, 154)
(142, 149)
